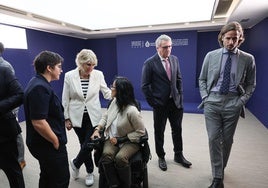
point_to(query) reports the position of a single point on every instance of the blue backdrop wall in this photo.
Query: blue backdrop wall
(133, 50)
(38, 41)
(125, 55)
(105, 50)
(257, 45)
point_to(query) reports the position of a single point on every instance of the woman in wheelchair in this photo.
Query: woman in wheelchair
(124, 127)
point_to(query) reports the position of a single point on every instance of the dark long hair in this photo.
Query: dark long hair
(124, 93)
(232, 26)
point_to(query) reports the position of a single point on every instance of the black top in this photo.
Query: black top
(40, 102)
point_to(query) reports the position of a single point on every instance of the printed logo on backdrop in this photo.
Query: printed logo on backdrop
(147, 44)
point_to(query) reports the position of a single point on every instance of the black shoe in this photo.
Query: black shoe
(179, 158)
(162, 164)
(217, 183)
(135, 186)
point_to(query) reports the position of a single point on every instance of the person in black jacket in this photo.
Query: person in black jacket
(11, 97)
(20, 142)
(46, 134)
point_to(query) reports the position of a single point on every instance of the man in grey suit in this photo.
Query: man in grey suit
(162, 87)
(222, 108)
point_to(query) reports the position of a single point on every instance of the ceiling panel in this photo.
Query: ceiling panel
(105, 18)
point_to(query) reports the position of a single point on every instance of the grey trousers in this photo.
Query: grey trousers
(20, 145)
(221, 116)
(20, 142)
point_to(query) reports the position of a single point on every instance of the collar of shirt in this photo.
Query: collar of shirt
(162, 59)
(225, 51)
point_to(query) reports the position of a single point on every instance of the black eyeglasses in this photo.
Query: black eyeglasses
(166, 47)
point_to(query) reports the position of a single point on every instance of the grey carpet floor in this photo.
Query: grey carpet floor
(247, 167)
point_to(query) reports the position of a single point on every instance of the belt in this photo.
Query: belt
(228, 94)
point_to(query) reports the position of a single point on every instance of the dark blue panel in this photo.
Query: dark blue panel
(133, 50)
(105, 49)
(257, 41)
(38, 41)
(207, 41)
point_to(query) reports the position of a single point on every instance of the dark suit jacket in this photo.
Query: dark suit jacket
(11, 96)
(156, 86)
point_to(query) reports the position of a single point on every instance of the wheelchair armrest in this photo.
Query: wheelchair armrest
(144, 138)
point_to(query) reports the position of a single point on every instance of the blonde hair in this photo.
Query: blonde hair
(86, 56)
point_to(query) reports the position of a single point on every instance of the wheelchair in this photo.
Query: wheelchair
(138, 163)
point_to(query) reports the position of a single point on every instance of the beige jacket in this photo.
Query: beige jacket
(129, 122)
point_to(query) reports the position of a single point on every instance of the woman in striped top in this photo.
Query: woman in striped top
(82, 108)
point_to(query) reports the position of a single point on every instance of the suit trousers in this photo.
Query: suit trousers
(54, 166)
(221, 116)
(9, 163)
(119, 154)
(174, 115)
(84, 133)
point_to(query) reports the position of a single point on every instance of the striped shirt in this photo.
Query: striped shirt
(84, 85)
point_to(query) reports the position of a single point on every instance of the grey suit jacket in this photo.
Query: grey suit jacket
(155, 83)
(245, 80)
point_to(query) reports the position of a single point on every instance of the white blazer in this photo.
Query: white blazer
(74, 102)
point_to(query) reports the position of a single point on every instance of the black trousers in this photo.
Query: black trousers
(161, 115)
(9, 163)
(54, 166)
(84, 133)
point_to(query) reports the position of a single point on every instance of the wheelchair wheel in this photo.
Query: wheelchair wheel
(145, 177)
(102, 181)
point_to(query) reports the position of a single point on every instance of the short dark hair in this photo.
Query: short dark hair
(2, 48)
(44, 59)
(232, 26)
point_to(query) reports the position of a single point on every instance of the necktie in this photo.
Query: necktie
(224, 89)
(167, 65)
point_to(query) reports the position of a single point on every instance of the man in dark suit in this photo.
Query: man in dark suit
(20, 142)
(162, 87)
(223, 105)
(11, 97)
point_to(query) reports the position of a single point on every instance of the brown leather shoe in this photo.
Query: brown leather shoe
(162, 164)
(22, 164)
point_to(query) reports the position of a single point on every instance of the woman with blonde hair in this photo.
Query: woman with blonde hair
(82, 108)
